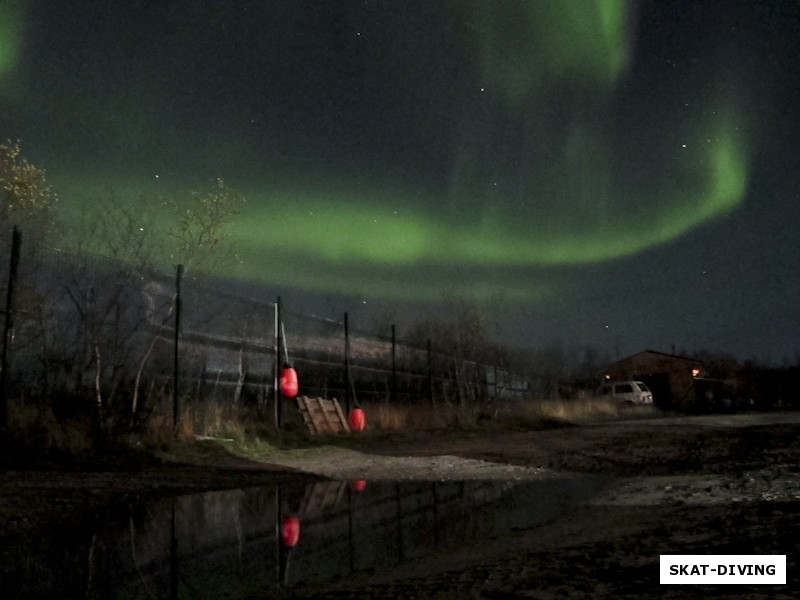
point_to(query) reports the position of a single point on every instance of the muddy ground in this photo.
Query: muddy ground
(690, 485)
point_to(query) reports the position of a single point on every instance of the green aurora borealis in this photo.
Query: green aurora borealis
(493, 151)
(527, 53)
(387, 236)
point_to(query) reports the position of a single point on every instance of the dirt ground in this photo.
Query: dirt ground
(689, 485)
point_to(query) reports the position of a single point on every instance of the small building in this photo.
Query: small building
(670, 377)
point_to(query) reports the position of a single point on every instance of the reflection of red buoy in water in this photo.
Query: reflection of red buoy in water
(290, 531)
(359, 485)
(358, 420)
(289, 383)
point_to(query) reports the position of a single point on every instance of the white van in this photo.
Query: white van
(630, 392)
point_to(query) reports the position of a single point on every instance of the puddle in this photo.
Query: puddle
(257, 541)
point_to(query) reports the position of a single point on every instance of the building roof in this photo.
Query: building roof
(662, 354)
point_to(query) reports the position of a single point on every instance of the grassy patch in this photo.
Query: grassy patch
(523, 414)
(38, 436)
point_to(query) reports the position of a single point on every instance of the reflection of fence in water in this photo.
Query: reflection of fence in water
(223, 538)
(391, 525)
(227, 543)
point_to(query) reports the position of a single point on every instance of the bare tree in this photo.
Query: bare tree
(109, 257)
(200, 233)
(118, 248)
(201, 227)
(86, 292)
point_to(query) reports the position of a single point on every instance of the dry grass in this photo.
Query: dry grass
(157, 432)
(212, 420)
(240, 428)
(386, 417)
(568, 411)
(36, 432)
(577, 411)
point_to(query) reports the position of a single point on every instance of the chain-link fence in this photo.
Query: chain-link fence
(95, 332)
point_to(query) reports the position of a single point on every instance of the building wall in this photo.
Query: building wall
(670, 377)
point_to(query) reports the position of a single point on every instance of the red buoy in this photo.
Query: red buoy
(358, 420)
(289, 383)
(359, 485)
(290, 531)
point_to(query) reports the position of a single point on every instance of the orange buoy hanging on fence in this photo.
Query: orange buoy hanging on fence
(358, 420)
(289, 384)
(290, 531)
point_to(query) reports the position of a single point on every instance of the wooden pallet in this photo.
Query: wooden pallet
(322, 496)
(322, 416)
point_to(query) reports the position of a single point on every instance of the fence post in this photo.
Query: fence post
(16, 243)
(430, 373)
(176, 354)
(346, 365)
(174, 563)
(276, 379)
(394, 365)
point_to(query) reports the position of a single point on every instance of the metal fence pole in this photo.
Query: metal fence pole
(16, 243)
(394, 365)
(346, 364)
(278, 343)
(174, 563)
(176, 354)
(430, 373)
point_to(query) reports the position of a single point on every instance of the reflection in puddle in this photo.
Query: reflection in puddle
(253, 541)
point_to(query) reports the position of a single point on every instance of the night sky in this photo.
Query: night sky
(598, 173)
